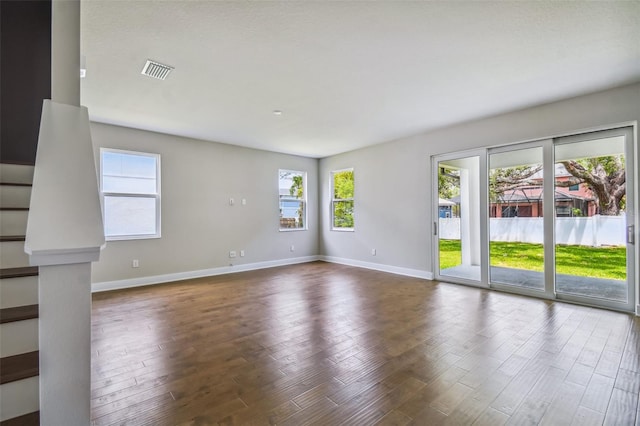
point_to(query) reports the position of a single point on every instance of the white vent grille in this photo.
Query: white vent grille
(156, 70)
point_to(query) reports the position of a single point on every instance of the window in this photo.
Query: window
(342, 200)
(574, 187)
(130, 187)
(510, 211)
(292, 188)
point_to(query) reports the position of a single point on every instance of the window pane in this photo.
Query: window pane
(130, 173)
(129, 216)
(291, 214)
(131, 185)
(343, 214)
(134, 165)
(291, 185)
(516, 231)
(343, 185)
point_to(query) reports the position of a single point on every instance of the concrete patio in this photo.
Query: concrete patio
(615, 290)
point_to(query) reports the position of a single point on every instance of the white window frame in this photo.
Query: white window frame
(333, 200)
(303, 200)
(155, 196)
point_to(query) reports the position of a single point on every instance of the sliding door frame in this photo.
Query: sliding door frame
(629, 130)
(484, 209)
(548, 213)
(630, 213)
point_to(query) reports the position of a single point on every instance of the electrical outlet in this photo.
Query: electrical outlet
(241, 253)
(244, 202)
(135, 263)
(231, 201)
(373, 252)
(292, 248)
(232, 254)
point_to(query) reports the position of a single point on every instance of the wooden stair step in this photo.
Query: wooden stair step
(18, 163)
(6, 238)
(14, 184)
(25, 271)
(18, 367)
(31, 419)
(18, 313)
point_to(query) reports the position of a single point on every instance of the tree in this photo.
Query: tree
(297, 189)
(605, 176)
(448, 183)
(506, 179)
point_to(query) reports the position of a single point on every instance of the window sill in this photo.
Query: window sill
(133, 237)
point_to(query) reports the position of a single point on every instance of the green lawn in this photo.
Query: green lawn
(583, 261)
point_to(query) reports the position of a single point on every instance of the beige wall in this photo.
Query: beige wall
(199, 227)
(393, 180)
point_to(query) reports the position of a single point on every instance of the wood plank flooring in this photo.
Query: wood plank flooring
(328, 344)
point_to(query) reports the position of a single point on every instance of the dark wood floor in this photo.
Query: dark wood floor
(329, 344)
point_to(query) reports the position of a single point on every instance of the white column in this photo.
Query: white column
(465, 213)
(470, 209)
(65, 52)
(474, 209)
(65, 344)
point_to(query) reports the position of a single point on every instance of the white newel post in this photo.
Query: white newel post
(65, 344)
(65, 231)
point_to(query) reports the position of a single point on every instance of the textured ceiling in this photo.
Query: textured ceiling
(345, 74)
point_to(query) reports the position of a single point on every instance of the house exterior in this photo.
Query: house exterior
(570, 201)
(289, 210)
(447, 208)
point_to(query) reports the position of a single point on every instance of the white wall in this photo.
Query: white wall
(199, 227)
(393, 192)
(393, 180)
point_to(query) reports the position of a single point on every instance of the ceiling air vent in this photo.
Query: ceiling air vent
(156, 70)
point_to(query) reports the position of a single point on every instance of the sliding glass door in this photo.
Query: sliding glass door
(458, 227)
(594, 206)
(552, 218)
(516, 217)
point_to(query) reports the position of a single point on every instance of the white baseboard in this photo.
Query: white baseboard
(415, 273)
(178, 276)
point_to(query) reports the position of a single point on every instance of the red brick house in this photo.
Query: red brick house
(574, 200)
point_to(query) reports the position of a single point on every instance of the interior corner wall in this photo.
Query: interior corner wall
(393, 187)
(199, 226)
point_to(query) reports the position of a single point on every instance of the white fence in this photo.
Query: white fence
(585, 231)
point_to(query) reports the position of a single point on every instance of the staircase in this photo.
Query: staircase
(19, 363)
